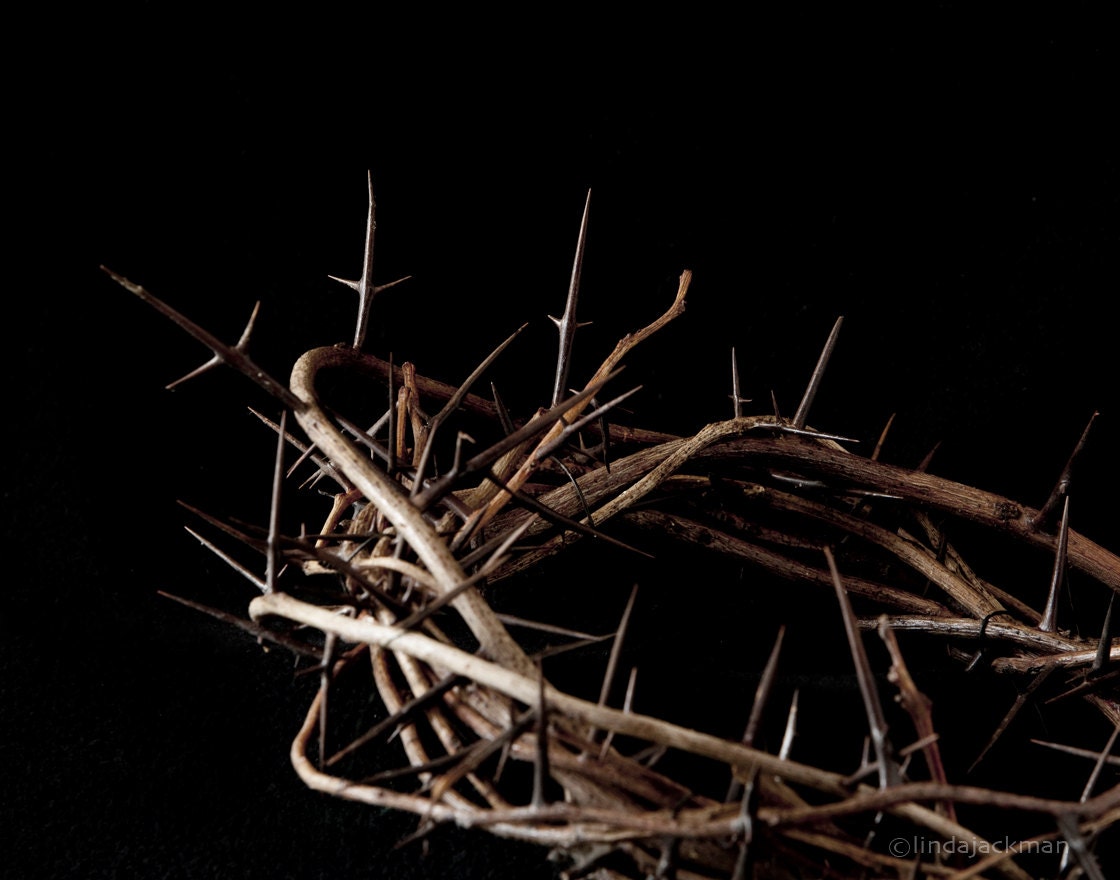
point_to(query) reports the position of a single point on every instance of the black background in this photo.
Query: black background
(947, 184)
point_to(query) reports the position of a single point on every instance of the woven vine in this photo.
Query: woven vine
(389, 597)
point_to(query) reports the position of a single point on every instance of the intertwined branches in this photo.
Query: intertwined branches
(406, 549)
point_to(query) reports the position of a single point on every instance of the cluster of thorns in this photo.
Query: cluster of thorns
(407, 548)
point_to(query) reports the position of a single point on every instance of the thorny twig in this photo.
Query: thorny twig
(764, 490)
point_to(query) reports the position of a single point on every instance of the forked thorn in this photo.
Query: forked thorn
(217, 359)
(567, 323)
(364, 286)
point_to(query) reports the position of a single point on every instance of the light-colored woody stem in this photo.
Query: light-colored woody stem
(392, 502)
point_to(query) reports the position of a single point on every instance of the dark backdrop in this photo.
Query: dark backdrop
(946, 184)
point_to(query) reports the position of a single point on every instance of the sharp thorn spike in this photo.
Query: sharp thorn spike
(252, 628)
(888, 769)
(1061, 487)
(758, 707)
(1049, 622)
(274, 509)
(229, 560)
(567, 323)
(737, 401)
(196, 372)
(1104, 646)
(1020, 701)
(790, 729)
(882, 438)
(627, 704)
(503, 413)
(802, 414)
(232, 356)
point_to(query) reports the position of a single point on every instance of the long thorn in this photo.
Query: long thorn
(561, 438)
(324, 693)
(802, 414)
(274, 508)
(1104, 646)
(249, 626)
(1062, 486)
(1049, 621)
(1102, 759)
(438, 488)
(567, 323)
(1020, 701)
(888, 769)
(229, 560)
(758, 707)
(453, 404)
(736, 399)
(435, 692)
(627, 702)
(616, 648)
(364, 286)
(616, 651)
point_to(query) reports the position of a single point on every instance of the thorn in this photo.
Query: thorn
(242, 346)
(737, 400)
(438, 488)
(251, 627)
(306, 451)
(605, 432)
(433, 693)
(549, 448)
(550, 515)
(774, 404)
(627, 702)
(274, 509)
(888, 769)
(882, 438)
(1080, 753)
(233, 563)
(230, 355)
(1049, 622)
(1020, 701)
(513, 620)
(791, 728)
(567, 323)
(503, 413)
(324, 690)
(616, 648)
(1090, 683)
(802, 413)
(364, 286)
(924, 464)
(1104, 646)
(1062, 486)
(420, 834)
(453, 404)
(761, 697)
(801, 432)
(1102, 759)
